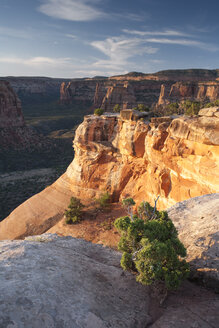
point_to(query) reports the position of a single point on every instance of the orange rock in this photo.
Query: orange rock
(176, 159)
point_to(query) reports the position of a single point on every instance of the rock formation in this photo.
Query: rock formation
(195, 91)
(34, 85)
(48, 281)
(197, 223)
(10, 107)
(157, 89)
(176, 158)
(13, 132)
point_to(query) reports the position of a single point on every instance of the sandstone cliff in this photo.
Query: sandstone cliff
(195, 91)
(13, 132)
(128, 90)
(34, 85)
(174, 158)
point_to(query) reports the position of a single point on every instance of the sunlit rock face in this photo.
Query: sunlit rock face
(195, 91)
(175, 158)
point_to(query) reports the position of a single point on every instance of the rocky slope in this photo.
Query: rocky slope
(46, 281)
(131, 89)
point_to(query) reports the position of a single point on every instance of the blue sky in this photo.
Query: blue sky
(72, 38)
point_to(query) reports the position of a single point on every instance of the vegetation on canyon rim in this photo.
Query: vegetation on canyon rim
(74, 212)
(151, 247)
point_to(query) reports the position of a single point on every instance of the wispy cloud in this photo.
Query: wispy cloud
(71, 36)
(14, 33)
(36, 61)
(119, 50)
(184, 42)
(73, 10)
(161, 33)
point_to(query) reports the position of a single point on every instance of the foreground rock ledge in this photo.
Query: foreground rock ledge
(47, 281)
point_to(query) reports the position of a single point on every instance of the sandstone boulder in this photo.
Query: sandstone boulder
(46, 281)
(209, 112)
(197, 221)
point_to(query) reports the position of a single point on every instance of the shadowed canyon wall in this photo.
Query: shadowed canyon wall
(13, 132)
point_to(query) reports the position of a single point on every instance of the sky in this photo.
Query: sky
(86, 38)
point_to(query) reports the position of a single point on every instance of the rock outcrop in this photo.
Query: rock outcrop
(158, 89)
(34, 85)
(46, 281)
(13, 132)
(176, 158)
(10, 107)
(197, 222)
(195, 91)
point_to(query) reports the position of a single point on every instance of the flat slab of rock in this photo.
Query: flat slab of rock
(48, 281)
(197, 221)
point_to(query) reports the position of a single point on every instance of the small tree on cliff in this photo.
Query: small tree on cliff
(98, 111)
(73, 214)
(151, 248)
(117, 108)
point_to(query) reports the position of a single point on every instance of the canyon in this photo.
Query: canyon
(175, 158)
(127, 154)
(153, 90)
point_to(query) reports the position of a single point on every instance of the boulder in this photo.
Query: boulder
(197, 222)
(48, 281)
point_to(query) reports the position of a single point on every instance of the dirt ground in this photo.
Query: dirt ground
(97, 226)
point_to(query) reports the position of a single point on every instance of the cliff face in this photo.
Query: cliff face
(10, 107)
(34, 85)
(198, 91)
(13, 132)
(150, 89)
(174, 158)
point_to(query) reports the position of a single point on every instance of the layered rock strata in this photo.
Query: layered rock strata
(175, 158)
(157, 89)
(195, 91)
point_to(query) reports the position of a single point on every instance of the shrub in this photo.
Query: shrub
(191, 108)
(104, 200)
(151, 248)
(142, 108)
(116, 108)
(73, 214)
(212, 104)
(98, 111)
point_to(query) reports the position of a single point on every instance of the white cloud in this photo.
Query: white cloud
(71, 36)
(184, 42)
(162, 33)
(73, 10)
(119, 50)
(36, 61)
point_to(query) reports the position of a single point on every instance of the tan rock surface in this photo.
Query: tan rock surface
(197, 221)
(127, 158)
